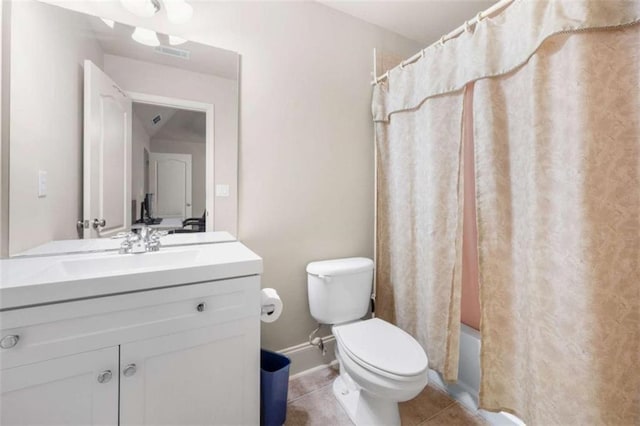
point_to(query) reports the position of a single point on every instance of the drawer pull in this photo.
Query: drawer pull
(9, 341)
(105, 376)
(201, 307)
(129, 370)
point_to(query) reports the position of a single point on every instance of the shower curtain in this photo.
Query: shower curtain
(558, 192)
(557, 162)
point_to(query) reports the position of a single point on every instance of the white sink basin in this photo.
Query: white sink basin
(37, 280)
(115, 263)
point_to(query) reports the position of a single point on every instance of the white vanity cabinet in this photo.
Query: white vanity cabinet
(183, 354)
(62, 391)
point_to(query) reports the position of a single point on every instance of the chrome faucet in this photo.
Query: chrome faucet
(144, 240)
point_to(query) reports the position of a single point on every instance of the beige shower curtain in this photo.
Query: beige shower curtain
(419, 226)
(556, 110)
(558, 204)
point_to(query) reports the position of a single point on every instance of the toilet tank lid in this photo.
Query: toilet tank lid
(345, 266)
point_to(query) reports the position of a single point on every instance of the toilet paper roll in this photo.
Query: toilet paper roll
(271, 305)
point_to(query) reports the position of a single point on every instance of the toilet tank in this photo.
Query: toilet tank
(339, 289)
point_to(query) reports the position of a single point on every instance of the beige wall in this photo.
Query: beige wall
(198, 168)
(45, 136)
(306, 150)
(139, 141)
(160, 80)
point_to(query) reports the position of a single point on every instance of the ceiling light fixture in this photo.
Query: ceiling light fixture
(108, 22)
(175, 40)
(142, 8)
(178, 11)
(146, 37)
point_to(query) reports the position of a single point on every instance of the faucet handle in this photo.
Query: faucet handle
(144, 232)
(156, 233)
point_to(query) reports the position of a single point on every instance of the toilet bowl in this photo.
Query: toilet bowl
(380, 364)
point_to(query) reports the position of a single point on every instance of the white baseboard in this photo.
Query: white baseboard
(305, 356)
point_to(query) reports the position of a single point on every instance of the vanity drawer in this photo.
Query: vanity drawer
(60, 329)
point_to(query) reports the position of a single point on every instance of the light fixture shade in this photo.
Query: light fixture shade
(146, 37)
(175, 40)
(108, 22)
(178, 11)
(142, 8)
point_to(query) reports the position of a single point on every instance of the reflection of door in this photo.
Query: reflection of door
(107, 155)
(170, 182)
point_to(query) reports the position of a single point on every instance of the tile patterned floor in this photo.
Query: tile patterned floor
(311, 403)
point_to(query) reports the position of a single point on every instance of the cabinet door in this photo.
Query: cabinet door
(62, 391)
(206, 376)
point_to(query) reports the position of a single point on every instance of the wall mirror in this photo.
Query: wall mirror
(112, 125)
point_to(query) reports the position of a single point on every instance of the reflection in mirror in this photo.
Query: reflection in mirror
(169, 147)
(107, 132)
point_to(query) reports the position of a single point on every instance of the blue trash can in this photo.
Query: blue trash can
(274, 384)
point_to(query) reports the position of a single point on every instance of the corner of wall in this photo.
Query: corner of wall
(5, 34)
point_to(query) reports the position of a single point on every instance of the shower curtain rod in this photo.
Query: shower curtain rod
(453, 34)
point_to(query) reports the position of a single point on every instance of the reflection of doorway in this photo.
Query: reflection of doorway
(173, 127)
(170, 180)
(145, 177)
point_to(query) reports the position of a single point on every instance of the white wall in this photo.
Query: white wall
(44, 136)
(139, 141)
(198, 168)
(4, 132)
(161, 80)
(306, 138)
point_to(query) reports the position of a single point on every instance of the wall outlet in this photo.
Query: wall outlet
(42, 183)
(222, 190)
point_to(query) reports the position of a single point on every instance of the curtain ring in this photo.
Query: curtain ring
(402, 65)
(467, 26)
(442, 40)
(479, 17)
(422, 53)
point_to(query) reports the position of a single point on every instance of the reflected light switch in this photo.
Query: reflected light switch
(42, 183)
(222, 190)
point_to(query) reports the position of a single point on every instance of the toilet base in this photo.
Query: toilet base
(364, 408)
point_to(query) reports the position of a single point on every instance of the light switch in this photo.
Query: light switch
(42, 183)
(222, 190)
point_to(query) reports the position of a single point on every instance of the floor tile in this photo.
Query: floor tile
(430, 402)
(455, 415)
(319, 408)
(310, 382)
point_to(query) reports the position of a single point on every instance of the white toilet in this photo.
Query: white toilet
(380, 364)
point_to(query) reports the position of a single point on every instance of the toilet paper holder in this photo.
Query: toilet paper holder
(268, 309)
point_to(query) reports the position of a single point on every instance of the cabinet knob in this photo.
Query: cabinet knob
(201, 307)
(129, 370)
(7, 342)
(105, 376)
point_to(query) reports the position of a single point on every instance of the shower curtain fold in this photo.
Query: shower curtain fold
(419, 226)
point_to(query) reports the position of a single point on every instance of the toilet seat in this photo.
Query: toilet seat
(382, 348)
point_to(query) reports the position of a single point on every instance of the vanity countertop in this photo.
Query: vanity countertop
(113, 244)
(29, 281)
